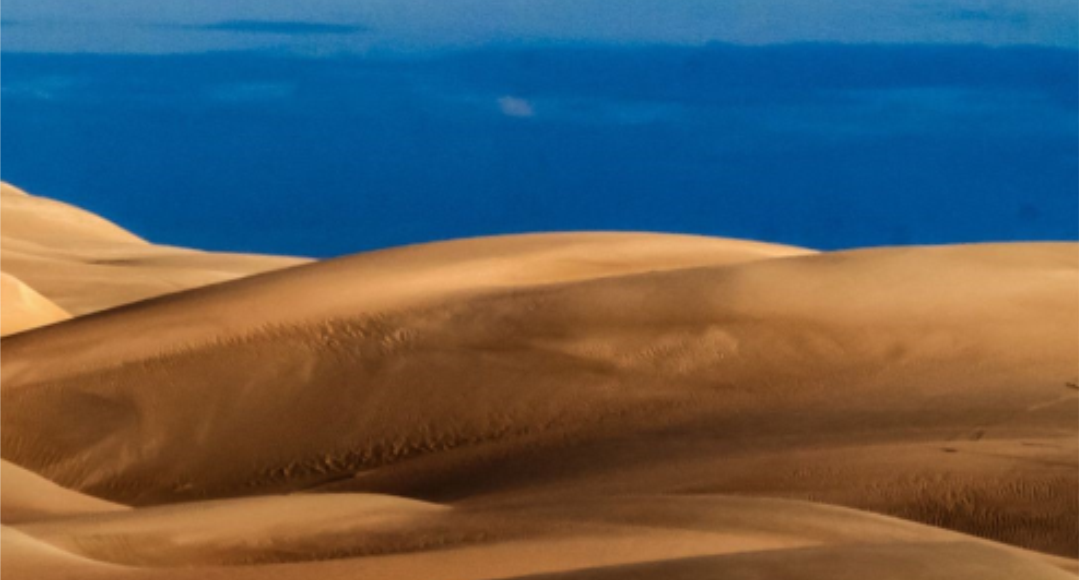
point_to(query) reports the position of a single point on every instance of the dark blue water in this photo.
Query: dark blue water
(827, 146)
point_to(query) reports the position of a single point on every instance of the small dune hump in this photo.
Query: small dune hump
(28, 497)
(85, 263)
(270, 529)
(22, 308)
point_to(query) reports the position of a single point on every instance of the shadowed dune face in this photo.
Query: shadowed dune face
(579, 406)
(925, 562)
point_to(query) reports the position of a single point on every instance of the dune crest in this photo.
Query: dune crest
(8, 189)
(26, 496)
(85, 263)
(55, 224)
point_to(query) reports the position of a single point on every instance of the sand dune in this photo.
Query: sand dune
(52, 223)
(407, 374)
(545, 406)
(26, 557)
(253, 530)
(304, 320)
(348, 536)
(23, 308)
(84, 263)
(26, 496)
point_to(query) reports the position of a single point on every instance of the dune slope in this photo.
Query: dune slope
(554, 369)
(26, 557)
(564, 406)
(53, 223)
(22, 308)
(26, 496)
(85, 263)
(351, 535)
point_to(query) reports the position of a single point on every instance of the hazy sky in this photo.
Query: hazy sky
(174, 26)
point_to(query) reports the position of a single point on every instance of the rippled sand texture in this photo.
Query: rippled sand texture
(592, 405)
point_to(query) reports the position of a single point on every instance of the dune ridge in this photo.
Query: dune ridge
(85, 264)
(586, 405)
(47, 222)
(26, 496)
(23, 308)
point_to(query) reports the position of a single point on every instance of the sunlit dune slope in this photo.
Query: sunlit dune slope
(22, 308)
(355, 535)
(261, 530)
(26, 557)
(26, 496)
(84, 263)
(937, 384)
(53, 223)
(357, 290)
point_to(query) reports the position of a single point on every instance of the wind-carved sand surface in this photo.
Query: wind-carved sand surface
(552, 406)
